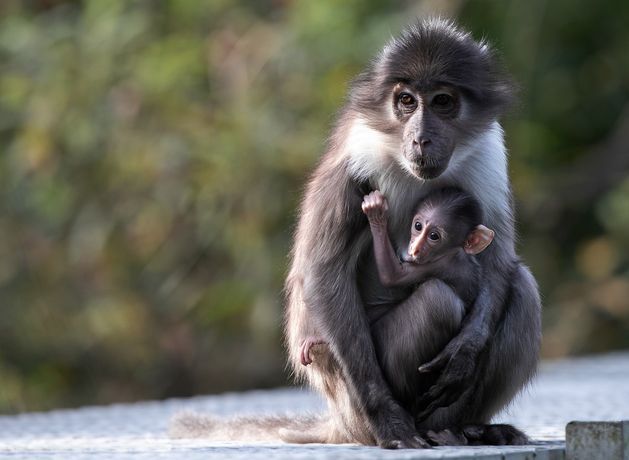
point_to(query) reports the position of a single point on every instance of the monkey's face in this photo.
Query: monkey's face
(432, 89)
(429, 240)
(430, 132)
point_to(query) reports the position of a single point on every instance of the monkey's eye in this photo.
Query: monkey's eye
(407, 101)
(434, 236)
(443, 101)
(418, 226)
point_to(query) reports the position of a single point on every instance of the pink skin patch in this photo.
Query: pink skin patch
(306, 345)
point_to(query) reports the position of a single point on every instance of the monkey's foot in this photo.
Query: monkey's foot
(306, 345)
(477, 435)
(447, 437)
(415, 442)
(494, 435)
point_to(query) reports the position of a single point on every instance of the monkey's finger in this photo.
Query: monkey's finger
(367, 205)
(431, 397)
(421, 443)
(415, 442)
(438, 396)
(446, 438)
(435, 365)
(378, 206)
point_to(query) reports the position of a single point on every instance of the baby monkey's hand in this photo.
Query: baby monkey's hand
(375, 207)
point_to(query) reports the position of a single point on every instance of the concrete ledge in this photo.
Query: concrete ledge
(594, 440)
(591, 388)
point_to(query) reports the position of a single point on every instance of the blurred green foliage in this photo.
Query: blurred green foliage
(153, 154)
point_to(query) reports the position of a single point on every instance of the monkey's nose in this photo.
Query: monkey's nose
(415, 248)
(423, 141)
(422, 148)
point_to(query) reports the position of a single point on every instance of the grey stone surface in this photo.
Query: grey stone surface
(592, 388)
(588, 440)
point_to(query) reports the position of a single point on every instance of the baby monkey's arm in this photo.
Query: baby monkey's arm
(391, 270)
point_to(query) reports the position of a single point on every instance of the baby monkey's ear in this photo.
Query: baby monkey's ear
(478, 240)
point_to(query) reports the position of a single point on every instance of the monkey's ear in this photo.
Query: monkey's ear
(478, 240)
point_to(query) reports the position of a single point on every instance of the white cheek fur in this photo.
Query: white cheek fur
(369, 151)
(479, 166)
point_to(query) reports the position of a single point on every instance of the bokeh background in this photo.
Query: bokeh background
(152, 155)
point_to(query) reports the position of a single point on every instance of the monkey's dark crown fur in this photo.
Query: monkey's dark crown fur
(436, 51)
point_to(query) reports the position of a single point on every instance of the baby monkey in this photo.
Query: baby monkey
(446, 232)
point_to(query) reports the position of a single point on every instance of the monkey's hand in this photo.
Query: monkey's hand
(456, 363)
(376, 208)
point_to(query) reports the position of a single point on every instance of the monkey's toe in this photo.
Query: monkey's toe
(495, 435)
(447, 437)
(416, 442)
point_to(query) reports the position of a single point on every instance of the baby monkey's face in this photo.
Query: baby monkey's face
(432, 236)
(436, 233)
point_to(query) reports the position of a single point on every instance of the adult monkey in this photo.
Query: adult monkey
(422, 116)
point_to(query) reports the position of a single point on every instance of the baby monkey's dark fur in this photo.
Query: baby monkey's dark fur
(423, 115)
(446, 231)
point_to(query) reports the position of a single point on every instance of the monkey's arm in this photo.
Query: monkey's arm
(391, 270)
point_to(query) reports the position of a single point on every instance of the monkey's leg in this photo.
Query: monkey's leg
(341, 426)
(413, 332)
(512, 356)
(346, 424)
(509, 362)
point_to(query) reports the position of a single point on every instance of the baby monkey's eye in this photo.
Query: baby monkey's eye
(418, 226)
(434, 236)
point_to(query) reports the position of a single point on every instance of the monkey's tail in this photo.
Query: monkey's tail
(298, 429)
